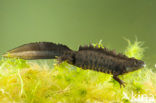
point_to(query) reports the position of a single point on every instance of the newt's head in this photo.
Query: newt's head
(134, 64)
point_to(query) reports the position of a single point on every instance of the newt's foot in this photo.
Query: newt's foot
(122, 83)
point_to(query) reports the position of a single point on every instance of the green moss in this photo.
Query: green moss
(134, 49)
(28, 82)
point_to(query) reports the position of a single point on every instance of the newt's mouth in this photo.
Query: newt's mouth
(130, 69)
(144, 65)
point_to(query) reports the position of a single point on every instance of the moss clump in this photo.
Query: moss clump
(29, 82)
(134, 49)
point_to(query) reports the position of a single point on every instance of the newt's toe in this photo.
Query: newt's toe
(122, 83)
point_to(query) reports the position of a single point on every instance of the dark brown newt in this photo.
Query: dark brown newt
(87, 57)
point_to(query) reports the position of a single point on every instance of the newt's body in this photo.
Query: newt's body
(87, 57)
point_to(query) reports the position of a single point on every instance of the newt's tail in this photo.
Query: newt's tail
(40, 50)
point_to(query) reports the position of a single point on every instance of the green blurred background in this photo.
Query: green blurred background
(75, 22)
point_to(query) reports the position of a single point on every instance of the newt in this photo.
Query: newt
(86, 57)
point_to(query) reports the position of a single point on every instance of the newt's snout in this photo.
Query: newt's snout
(140, 64)
(135, 65)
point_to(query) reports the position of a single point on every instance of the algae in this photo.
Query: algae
(29, 82)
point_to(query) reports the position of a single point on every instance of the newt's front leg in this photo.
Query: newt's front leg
(119, 80)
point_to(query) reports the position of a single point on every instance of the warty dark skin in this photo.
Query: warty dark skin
(87, 57)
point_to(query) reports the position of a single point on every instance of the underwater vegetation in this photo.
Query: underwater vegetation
(90, 57)
(24, 81)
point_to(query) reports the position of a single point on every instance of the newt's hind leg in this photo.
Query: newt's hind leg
(122, 83)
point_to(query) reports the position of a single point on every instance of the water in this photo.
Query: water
(79, 22)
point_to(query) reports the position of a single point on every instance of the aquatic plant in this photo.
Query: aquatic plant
(29, 82)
